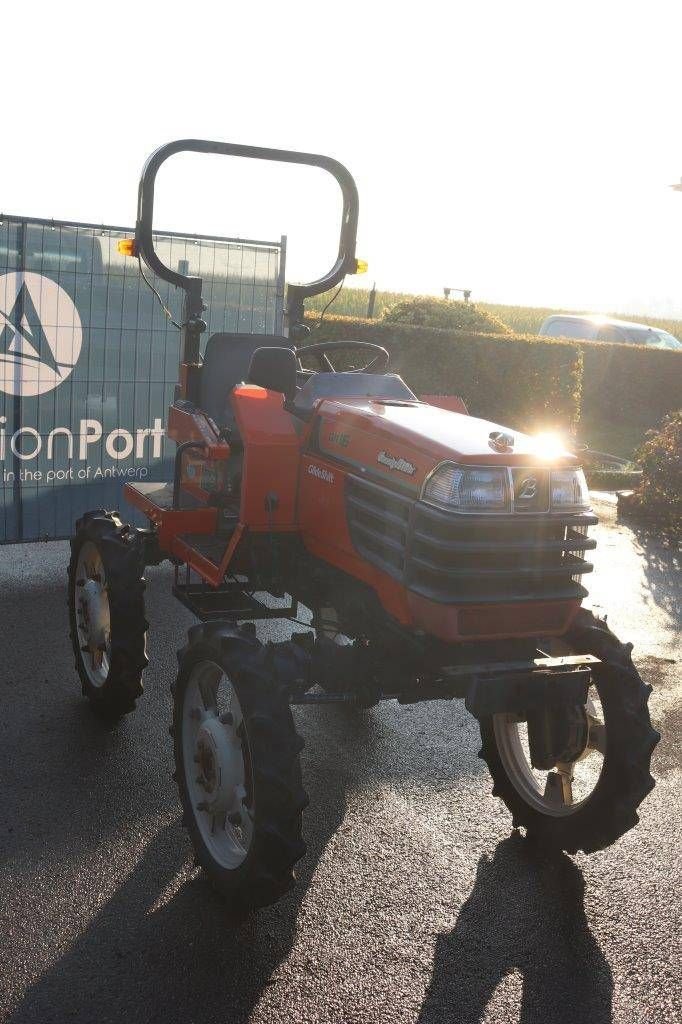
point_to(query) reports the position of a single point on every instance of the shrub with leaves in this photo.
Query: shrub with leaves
(426, 311)
(660, 492)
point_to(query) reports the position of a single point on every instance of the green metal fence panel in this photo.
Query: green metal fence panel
(89, 359)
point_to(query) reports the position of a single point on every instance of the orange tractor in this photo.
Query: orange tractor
(440, 556)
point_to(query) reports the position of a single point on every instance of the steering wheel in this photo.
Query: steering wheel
(320, 349)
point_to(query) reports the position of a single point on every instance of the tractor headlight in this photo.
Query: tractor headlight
(469, 489)
(569, 491)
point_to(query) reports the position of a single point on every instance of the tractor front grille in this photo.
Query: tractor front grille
(469, 559)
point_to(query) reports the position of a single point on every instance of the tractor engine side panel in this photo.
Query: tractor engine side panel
(324, 531)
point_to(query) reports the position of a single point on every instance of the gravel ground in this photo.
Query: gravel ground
(416, 902)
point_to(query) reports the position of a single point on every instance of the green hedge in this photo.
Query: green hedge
(425, 311)
(630, 382)
(521, 381)
(605, 480)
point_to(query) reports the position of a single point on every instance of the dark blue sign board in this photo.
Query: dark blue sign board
(89, 360)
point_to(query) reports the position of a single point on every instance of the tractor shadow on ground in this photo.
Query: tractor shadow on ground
(165, 947)
(526, 916)
(162, 947)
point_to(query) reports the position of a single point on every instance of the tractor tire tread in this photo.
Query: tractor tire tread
(267, 870)
(611, 809)
(124, 566)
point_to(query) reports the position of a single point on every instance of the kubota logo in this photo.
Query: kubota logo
(528, 489)
(40, 334)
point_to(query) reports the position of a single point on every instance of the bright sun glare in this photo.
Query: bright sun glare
(548, 445)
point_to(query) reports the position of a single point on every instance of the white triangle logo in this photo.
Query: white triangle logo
(20, 345)
(40, 334)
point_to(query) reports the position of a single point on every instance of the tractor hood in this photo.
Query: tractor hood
(404, 441)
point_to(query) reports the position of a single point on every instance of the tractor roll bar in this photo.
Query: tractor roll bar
(193, 305)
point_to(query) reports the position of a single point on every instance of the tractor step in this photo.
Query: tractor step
(207, 545)
(229, 601)
(207, 554)
(203, 536)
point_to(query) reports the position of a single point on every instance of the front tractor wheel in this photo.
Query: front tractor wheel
(237, 762)
(106, 612)
(575, 778)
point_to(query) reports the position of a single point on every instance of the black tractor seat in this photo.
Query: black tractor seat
(227, 361)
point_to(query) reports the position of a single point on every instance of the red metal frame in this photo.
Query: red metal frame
(171, 523)
(272, 456)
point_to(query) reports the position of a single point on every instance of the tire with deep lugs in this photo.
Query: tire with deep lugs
(106, 612)
(625, 740)
(237, 761)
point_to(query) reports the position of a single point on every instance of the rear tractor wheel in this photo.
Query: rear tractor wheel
(581, 789)
(106, 612)
(237, 761)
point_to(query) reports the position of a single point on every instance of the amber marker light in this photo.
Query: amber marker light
(127, 246)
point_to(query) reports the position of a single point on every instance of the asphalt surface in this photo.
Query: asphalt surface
(416, 902)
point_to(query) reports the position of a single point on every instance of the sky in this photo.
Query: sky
(523, 150)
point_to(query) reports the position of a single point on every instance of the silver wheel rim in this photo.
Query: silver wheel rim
(93, 618)
(217, 765)
(570, 784)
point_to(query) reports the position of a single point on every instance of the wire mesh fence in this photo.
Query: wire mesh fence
(89, 359)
